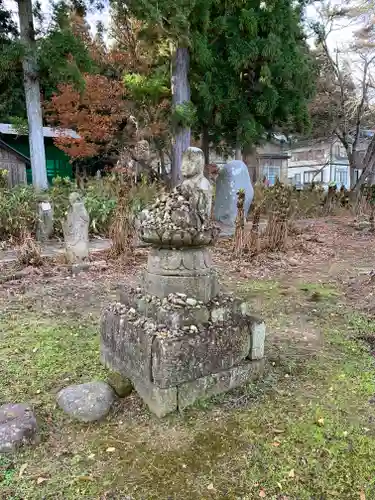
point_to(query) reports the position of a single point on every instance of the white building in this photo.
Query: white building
(323, 161)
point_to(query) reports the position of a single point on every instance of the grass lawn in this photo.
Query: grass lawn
(306, 431)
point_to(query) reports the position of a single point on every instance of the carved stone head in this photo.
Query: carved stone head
(74, 198)
(192, 162)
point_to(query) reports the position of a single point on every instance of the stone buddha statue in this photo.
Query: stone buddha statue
(194, 182)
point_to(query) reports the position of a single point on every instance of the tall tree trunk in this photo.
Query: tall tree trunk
(180, 95)
(206, 145)
(352, 168)
(32, 94)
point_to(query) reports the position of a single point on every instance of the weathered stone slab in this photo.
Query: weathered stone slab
(202, 288)
(182, 262)
(218, 383)
(126, 343)
(44, 226)
(18, 427)
(258, 336)
(232, 177)
(159, 401)
(213, 349)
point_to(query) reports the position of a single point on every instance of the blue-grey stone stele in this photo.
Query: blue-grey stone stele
(232, 177)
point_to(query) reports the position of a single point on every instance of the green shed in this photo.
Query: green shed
(17, 145)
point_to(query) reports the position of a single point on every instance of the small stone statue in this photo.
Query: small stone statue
(195, 183)
(76, 230)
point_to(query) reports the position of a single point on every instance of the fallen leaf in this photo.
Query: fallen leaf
(362, 495)
(85, 478)
(210, 487)
(291, 473)
(41, 480)
(22, 470)
(262, 494)
(111, 449)
(91, 456)
(277, 431)
(275, 444)
(320, 422)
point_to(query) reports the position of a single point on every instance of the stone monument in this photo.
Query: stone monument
(44, 227)
(76, 231)
(232, 177)
(178, 339)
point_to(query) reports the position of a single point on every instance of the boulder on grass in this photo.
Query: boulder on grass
(87, 402)
(18, 427)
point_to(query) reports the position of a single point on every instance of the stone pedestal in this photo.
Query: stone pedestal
(177, 338)
(187, 271)
(178, 349)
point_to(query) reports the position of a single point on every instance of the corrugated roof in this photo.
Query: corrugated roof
(7, 128)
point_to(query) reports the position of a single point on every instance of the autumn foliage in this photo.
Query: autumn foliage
(97, 114)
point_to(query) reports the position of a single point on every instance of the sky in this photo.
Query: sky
(339, 37)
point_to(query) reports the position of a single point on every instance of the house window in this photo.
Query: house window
(271, 173)
(297, 179)
(338, 150)
(341, 176)
(312, 176)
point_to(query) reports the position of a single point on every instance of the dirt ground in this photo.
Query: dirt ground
(321, 286)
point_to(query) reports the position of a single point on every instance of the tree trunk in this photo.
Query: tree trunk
(352, 167)
(250, 158)
(206, 145)
(238, 153)
(180, 95)
(32, 95)
(368, 167)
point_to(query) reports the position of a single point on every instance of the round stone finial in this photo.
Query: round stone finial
(192, 162)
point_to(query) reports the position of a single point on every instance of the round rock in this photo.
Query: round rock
(86, 402)
(18, 427)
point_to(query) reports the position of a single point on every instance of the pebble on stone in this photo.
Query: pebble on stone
(18, 426)
(86, 402)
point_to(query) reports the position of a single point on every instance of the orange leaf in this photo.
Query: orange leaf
(262, 493)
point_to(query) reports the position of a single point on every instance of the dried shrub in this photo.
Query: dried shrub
(29, 252)
(252, 240)
(238, 246)
(121, 230)
(276, 234)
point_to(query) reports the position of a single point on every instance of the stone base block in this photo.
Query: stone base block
(218, 383)
(202, 288)
(159, 401)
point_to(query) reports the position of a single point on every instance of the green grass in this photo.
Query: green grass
(301, 433)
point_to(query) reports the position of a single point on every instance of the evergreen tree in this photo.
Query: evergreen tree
(250, 68)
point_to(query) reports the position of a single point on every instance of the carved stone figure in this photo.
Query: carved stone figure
(76, 230)
(194, 180)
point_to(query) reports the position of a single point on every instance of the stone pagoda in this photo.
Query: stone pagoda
(178, 339)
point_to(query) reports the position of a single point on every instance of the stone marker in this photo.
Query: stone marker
(76, 231)
(44, 227)
(179, 339)
(18, 427)
(86, 402)
(232, 177)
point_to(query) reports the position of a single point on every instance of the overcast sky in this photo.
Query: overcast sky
(342, 35)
